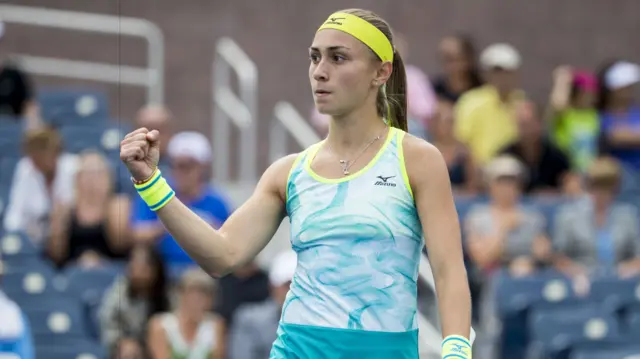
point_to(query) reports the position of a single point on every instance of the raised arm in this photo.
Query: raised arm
(242, 236)
(434, 202)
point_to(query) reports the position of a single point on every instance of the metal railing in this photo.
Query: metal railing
(151, 77)
(239, 110)
(287, 121)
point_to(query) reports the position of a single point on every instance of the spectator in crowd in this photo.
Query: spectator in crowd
(575, 125)
(95, 226)
(189, 155)
(16, 92)
(620, 116)
(458, 58)
(248, 284)
(485, 118)
(462, 170)
(421, 100)
(15, 332)
(504, 232)
(190, 331)
(255, 325)
(133, 299)
(156, 117)
(128, 348)
(44, 176)
(599, 233)
(547, 166)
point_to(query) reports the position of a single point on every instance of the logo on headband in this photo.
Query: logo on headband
(334, 21)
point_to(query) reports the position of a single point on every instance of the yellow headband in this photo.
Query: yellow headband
(362, 30)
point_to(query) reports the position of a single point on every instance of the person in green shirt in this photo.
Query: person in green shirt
(574, 119)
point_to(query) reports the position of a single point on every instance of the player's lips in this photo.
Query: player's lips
(321, 93)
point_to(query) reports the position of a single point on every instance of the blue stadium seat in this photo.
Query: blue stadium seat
(11, 139)
(555, 331)
(630, 353)
(518, 294)
(614, 292)
(74, 349)
(5, 190)
(89, 284)
(464, 204)
(7, 168)
(548, 206)
(103, 137)
(37, 283)
(16, 245)
(56, 318)
(73, 107)
(633, 324)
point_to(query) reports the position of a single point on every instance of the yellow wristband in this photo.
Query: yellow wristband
(156, 192)
(456, 347)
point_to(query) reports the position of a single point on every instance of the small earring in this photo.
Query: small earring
(375, 83)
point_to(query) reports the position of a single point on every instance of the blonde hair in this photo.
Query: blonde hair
(91, 158)
(197, 278)
(41, 139)
(604, 171)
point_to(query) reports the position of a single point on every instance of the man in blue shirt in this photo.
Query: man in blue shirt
(189, 155)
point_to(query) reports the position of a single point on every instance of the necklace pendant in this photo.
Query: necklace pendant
(346, 172)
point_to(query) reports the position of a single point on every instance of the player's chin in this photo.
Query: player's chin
(325, 108)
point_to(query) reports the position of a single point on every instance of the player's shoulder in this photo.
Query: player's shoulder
(421, 157)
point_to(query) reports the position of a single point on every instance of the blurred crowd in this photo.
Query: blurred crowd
(508, 156)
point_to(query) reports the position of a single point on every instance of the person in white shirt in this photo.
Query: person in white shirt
(43, 177)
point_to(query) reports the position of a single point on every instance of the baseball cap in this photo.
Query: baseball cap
(283, 268)
(504, 166)
(622, 74)
(190, 144)
(500, 55)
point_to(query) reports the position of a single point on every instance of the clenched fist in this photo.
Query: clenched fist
(140, 152)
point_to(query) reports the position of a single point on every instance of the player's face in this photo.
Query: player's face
(341, 70)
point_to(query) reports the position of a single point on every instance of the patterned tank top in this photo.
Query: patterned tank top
(358, 241)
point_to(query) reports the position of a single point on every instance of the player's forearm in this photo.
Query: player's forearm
(454, 301)
(205, 245)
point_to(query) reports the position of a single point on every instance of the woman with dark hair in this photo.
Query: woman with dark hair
(458, 56)
(133, 299)
(619, 115)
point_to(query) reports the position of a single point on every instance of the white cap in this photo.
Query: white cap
(622, 74)
(504, 166)
(190, 144)
(283, 268)
(500, 55)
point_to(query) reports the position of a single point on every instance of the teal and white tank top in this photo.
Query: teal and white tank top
(358, 241)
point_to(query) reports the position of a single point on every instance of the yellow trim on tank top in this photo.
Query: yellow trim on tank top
(314, 151)
(293, 167)
(403, 165)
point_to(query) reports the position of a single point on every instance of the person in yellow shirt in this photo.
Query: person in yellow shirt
(485, 119)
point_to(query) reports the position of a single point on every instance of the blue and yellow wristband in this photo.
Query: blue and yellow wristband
(456, 347)
(155, 191)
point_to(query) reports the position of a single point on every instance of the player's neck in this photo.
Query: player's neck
(350, 133)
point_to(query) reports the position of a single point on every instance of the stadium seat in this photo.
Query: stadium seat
(36, 283)
(7, 168)
(103, 137)
(518, 294)
(555, 331)
(616, 293)
(548, 206)
(56, 318)
(73, 107)
(11, 139)
(76, 349)
(632, 353)
(89, 284)
(16, 245)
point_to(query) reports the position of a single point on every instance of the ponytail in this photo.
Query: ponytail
(392, 98)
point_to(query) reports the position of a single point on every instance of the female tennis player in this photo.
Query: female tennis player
(359, 204)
